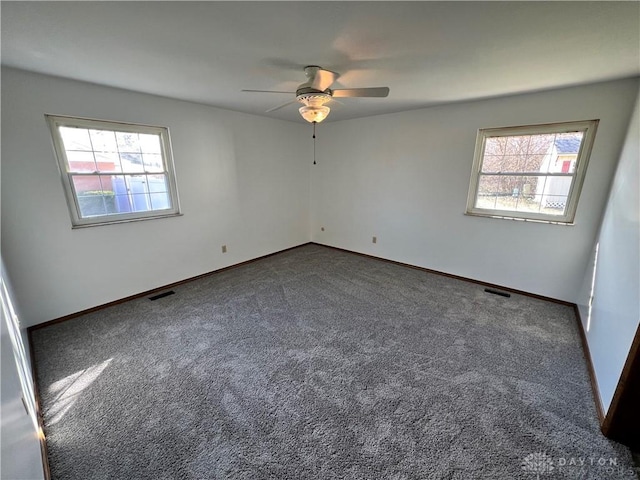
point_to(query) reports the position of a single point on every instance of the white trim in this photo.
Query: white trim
(57, 121)
(19, 353)
(589, 128)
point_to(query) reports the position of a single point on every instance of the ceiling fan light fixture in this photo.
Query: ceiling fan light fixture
(314, 113)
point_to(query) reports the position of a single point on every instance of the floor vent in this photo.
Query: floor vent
(162, 295)
(497, 292)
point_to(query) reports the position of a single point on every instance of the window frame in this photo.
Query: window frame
(589, 128)
(77, 221)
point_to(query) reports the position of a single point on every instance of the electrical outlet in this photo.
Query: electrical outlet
(375, 240)
(224, 249)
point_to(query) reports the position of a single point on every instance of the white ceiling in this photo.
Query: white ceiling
(426, 52)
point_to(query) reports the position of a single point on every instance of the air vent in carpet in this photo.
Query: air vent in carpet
(162, 295)
(497, 292)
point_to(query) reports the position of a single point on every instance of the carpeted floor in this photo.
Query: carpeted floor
(321, 364)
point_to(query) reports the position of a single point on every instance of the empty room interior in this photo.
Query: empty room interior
(320, 240)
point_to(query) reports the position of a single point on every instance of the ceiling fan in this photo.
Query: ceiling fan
(316, 92)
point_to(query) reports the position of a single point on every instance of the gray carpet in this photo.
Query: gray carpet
(321, 364)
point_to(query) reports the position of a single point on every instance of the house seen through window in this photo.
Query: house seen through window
(531, 173)
(114, 172)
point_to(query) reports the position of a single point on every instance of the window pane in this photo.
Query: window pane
(103, 141)
(93, 205)
(75, 138)
(565, 152)
(140, 202)
(93, 196)
(123, 204)
(86, 184)
(131, 162)
(108, 162)
(160, 201)
(525, 193)
(128, 142)
(81, 162)
(119, 183)
(492, 163)
(150, 143)
(495, 146)
(486, 200)
(540, 155)
(517, 145)
(121, 191)
(539, 144)
(139, 193)
(568, 143)
(512, 163)
(510, 186)
(534, 163)
(492, 189)
(488, 185)
(158, 192)
(106, 184)
(152, 162)
(157, 183)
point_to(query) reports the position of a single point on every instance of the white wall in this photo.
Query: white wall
(242, 180)
(612, 321)
(404, 177)
(20, 457)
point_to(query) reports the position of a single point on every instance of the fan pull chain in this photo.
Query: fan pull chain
(314, 143)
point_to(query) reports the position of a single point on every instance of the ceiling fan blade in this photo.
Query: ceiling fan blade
(362, 92)
(280, 106)
(266, 91)
(324, 79)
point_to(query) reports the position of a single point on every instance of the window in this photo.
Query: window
(533, 172)
(114, 172)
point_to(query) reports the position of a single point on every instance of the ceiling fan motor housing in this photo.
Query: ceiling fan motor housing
(312, 97)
